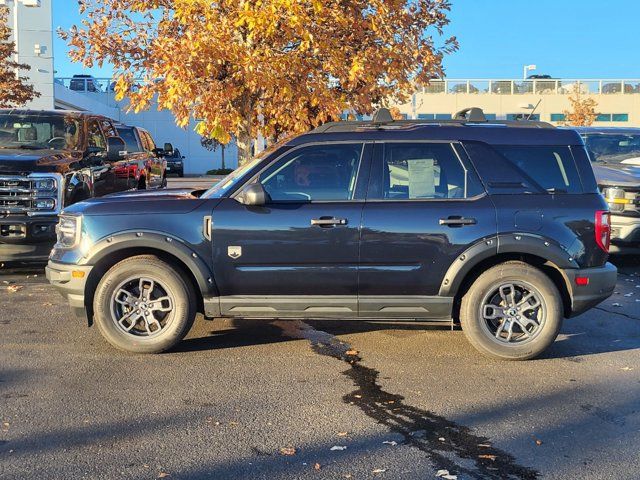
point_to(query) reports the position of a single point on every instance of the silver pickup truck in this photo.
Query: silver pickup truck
(615, 153)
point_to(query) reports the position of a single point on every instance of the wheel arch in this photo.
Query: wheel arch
(536, 251)
(112, 250)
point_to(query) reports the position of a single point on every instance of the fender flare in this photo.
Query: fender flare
(157, 241)
(519, 243)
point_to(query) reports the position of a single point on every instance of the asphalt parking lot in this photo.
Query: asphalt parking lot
(322, 399)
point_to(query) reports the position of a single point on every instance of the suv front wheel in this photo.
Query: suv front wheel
(513, 311)
(144, 305)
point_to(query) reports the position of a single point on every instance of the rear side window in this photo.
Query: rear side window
(551, 167)
(420, 171)
(130, 140)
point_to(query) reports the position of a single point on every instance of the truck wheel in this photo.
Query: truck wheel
(144, 305)
(512, 311)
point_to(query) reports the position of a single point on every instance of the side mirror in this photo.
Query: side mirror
(168, 149)
(116, 149)
(254, 195)
(158, 152)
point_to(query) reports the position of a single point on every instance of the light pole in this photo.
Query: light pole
(527, 68)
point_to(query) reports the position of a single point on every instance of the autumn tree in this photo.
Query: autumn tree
(583, 109)
(212, 145)
(14, 89)
(249, 67)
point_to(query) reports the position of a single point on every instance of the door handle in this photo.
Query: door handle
(457, 221)
(328, 221)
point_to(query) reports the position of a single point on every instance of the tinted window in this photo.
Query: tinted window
(130, 140)
(414, 171)
(95, 137)
(550, 166)
(319, 172)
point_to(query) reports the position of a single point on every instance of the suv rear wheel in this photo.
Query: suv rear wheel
(144, 305)
(512, 311)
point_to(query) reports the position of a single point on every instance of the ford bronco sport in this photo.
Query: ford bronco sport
(499, 226)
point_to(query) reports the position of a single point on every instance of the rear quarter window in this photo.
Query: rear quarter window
(551, 167)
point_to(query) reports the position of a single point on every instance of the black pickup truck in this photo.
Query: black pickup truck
(49, 160)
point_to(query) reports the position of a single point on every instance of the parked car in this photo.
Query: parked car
(175, 160)
(50, 160)
(145, 162)
(615, 153)
(84, 83)
(501, 227)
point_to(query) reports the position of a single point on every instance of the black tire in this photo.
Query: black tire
(173, 325)
(484, 301)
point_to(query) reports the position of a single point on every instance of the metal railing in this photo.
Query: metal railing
(544, 86)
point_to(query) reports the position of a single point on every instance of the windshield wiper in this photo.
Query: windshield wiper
(31, 147)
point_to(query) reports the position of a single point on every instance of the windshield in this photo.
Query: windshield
(228, 182)
(39, 131)
(614, 148)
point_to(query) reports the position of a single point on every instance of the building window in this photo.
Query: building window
(603, 117)
(426, 116)
(443, 116)
(558, 117)
(620, 117)
(523, 116)
(490, 116)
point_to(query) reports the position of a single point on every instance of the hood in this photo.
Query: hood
(30, 161)
(617, 175)
(144, 202)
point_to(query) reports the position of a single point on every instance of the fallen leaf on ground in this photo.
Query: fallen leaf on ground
(15, 288)
(446, 475)
(352, 352)
(616, 305)
(379, 470)
(163, 474)
(390, 442)
(484, 445)
(487, 456)
(338, 447)
(343, 434)
(317, 466)
(441, 439)
(287, 451)
(626, 369)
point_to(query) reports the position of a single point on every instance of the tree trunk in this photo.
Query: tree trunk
(244, 140)
(223, 147)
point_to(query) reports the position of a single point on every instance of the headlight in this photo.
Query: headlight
(68, 231)
(618, 199)
(45, 184)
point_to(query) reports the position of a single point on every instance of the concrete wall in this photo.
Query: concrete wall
(32, 25)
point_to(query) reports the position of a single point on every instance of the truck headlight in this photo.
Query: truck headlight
(44, 204)
(68, 231)
(45, 184)
(617, 198)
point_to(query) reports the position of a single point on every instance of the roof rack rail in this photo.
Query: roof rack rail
(382, 119)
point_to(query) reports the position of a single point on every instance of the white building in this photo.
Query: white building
(31, 23)
(544, 99)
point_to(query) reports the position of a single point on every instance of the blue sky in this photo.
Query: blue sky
(564, 38)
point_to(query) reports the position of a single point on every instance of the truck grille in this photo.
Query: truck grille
(19, 195)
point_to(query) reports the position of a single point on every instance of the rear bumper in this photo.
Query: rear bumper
(602, 282)
(70, 281)
(26, 239)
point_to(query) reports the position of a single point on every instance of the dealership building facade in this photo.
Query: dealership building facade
(546, 99)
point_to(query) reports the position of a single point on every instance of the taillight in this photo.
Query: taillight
(603, 229)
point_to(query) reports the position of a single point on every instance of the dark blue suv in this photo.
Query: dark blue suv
(499, 226)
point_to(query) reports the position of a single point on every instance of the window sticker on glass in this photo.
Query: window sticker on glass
(421, 177)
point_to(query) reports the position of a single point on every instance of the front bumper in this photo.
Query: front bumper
(70, 281)
(625, 234)
(26, 239)
(602, 282)
(172, 168)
